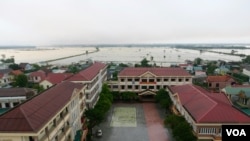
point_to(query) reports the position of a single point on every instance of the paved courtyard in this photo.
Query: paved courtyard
(134, 122)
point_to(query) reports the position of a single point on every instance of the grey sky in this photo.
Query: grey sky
(45, 22)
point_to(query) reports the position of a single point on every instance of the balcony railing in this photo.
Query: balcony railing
(44, 138)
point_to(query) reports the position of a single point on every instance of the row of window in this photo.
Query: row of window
(153, 80)
(136, 87)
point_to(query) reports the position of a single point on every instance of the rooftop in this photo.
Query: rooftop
(32, 115)
(89, 73)
(218, 78)
(56, 78)
(206, 107)
(14, 92)
(156, 71)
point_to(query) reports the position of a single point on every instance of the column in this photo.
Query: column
(3, 105)
(11, 105)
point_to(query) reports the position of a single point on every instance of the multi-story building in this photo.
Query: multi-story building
(146, 81)
(206, 112)
(54, 115)
(93, 76)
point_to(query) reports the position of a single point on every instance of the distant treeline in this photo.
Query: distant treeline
(16, 47)
(190, 46)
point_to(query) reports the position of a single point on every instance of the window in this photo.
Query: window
(173, 79)
(129, 79)
(151, 80)
(122, 80)
(158, 80)
(137, 79)
(122, 87)
(180, 80)
(165, 79)
(158, 87)
(217, 84)
(115, 86)
(144, 80)
(144, 87)
(137, 87)
(187, 79)
(129, 86)
(209, 84)
(151, 87)
(7, 105)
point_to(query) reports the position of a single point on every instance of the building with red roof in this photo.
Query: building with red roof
(37, 76)
(52, 115)
(219, 82)
(146, 81)
(53, 79)
(93, 76)
(205, 111)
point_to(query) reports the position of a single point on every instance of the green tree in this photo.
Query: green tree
(21, 80)
(14, 66)
(144, 63)
(210, 68)
(162, 97)
(73, 69)
(36, 67)
(38, 87)
(183, 132)
(197, 61)
(97, 114)
(106, 91)
(246, 59)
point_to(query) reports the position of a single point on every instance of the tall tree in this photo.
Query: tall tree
(144, 63)
(21, 80)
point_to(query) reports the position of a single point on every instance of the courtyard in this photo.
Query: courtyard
(137, 122)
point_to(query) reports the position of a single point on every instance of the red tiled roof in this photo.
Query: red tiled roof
(207, 107)
(223, 78)
(39, 73)
(17, 72)
(32, 115)
(183, 65)
(56, 78)
(155, 71)
(89, 73)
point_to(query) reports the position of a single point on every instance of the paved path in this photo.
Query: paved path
(154, 123)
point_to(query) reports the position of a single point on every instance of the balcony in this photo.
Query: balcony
(61, 136)
(44, 138)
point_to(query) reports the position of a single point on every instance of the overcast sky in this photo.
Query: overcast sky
(46, 22)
